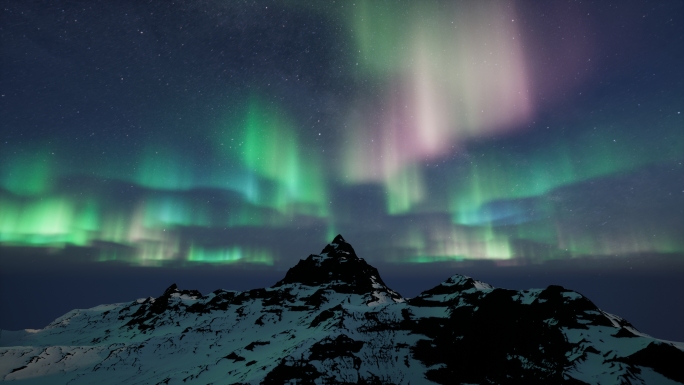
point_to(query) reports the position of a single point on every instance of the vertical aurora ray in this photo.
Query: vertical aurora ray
(115, 226)
(50, 221)
(377, 29)
(404, 189)
(438, 241)
(36, 222)
(230, 255)
(464, 76)
(270, 148)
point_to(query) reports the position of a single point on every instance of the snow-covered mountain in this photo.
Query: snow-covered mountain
(332, 320)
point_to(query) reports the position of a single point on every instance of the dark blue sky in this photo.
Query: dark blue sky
(214, 143)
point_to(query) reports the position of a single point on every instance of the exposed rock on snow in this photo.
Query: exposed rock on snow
(332, 320)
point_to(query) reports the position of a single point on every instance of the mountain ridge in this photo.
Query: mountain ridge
(332, 319)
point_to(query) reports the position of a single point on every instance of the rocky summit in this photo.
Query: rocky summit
(332, 320)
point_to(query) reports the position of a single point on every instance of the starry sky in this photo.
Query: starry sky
(215, 143)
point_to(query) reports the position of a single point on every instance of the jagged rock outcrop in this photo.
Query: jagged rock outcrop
(338, 268)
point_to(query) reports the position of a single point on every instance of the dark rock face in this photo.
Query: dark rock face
(328, 349)
(663, 358)
(497, 341)
(337, 263)
(339, 268)
(153, 307)
(332, 320)
(292, 371)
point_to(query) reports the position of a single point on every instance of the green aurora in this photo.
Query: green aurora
(257, 166)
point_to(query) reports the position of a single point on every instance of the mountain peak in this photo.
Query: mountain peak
(339, 268)
(312, 328)
(338, 239)
(339, 249)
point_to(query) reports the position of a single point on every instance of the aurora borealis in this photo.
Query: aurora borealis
(173, 135)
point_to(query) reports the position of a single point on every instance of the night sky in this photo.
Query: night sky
(215, 143)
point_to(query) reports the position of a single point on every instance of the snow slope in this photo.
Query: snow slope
(332, 320)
